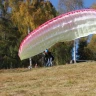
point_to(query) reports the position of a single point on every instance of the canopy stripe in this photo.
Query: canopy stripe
(66, 27)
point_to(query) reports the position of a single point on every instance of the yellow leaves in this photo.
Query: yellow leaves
(34, 2)
(31, 14)
(14, 4)
(27, 2)
(94, 6)
(22, 9)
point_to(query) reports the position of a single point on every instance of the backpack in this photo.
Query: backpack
(50, 55)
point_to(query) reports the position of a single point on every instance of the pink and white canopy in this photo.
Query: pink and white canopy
(66, 27)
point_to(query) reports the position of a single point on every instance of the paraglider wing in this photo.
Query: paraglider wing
(66, 27)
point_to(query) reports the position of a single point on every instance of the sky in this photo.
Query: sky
(87, 3)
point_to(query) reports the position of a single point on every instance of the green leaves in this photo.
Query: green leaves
(9, 42)
(62, 52)
(92, 47)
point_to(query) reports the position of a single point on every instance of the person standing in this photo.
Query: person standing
(48, 58)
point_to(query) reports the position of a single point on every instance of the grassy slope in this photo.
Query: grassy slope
(64, 80)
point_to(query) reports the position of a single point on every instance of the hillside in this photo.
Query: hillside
(64, 80)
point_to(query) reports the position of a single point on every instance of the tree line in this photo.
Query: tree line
(16, 16)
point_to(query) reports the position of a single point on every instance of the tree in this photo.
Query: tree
(62, 52)
(84, 53)
(31, 13)
(8, 38)
(92, 47)
(93, 6)
(69, 5)
(4, 8)
(8, 44)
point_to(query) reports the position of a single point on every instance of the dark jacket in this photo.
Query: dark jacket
(47, 56)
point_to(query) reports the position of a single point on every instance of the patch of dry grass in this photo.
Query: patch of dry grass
(65, 80)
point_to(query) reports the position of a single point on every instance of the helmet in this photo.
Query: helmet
(46, 50)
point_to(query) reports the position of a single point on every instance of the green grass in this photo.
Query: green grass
(64, 80)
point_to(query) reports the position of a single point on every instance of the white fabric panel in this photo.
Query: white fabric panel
(65, 27)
